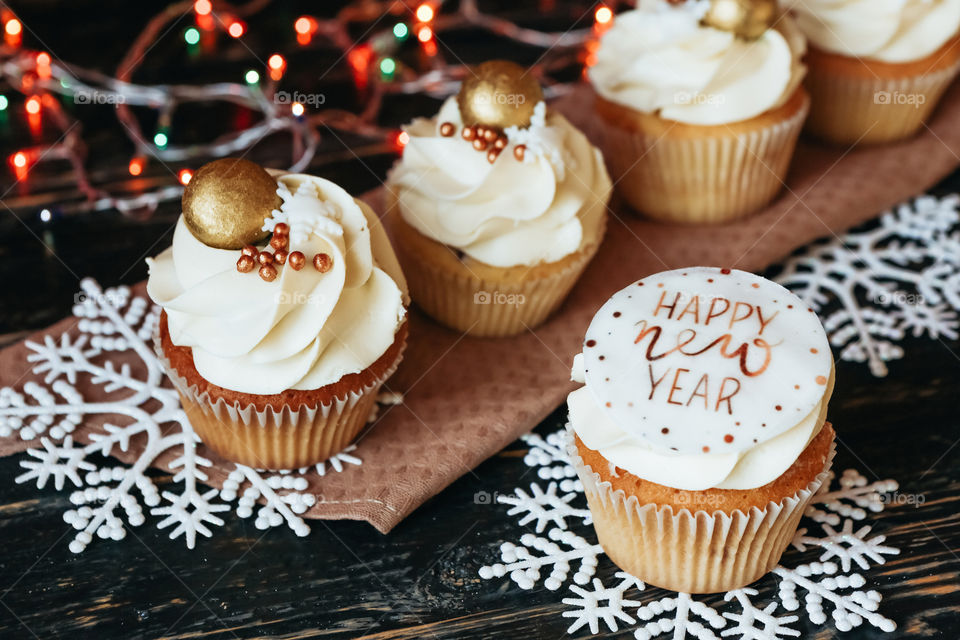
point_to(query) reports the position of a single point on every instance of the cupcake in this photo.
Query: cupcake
(496, 206)
(700, 432)
(699, 113)
(283, 313)
(877, 69)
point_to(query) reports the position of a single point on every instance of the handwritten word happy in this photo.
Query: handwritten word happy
(717, 310)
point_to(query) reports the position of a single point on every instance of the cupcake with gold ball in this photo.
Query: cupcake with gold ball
(283, 313)
(877, 67)
(700, 105)
(700, 430)
(496, 206)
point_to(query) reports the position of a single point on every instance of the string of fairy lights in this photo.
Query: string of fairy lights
(379, 64)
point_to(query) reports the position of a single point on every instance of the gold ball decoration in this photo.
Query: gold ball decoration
(498, 94)
(226, 202)
(749, 19)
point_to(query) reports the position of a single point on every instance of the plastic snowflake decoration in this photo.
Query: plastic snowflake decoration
(602, 603)
(544, 507)
(549, 457)
(832, 586)
(899, 278)
(108, 499)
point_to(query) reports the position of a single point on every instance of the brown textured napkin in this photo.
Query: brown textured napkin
(467, 398)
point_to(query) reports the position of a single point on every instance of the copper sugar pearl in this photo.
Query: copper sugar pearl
(268, 272)
(246, 264)
(296, 260)
(322, 262)
(269, 262)
(485, 139)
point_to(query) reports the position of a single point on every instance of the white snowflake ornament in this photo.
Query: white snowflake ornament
(107, 499)
(899, 278)
(833, 587)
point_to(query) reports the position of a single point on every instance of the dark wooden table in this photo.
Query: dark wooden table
(345, 580)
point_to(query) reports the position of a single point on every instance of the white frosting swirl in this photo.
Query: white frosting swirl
(506, 213)
(660, 59)
(702, 378)
(305, 329)
(884, 30)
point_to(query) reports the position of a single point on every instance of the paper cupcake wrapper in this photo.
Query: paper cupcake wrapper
(848, 110)
(289, 438)
(712, 179)
(488, 307)
(691, 552)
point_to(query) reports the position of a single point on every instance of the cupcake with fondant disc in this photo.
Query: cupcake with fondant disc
(877, 68)
(700, 433)
(700, 104)
(496, 206)
(283, 313)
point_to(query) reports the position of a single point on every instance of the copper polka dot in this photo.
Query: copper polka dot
(664, 431)
(709, 279)
(728, 438)
(812, 350)
(639, 284)
(616, 314)
(591, 343)
(609, 405)
(737, 423)
(796, 386)
(660, 284)
(706, 449)
(755, 285)
(778, 408)
(725, 271)
(789, 306)
(602, 358)
(821, 380)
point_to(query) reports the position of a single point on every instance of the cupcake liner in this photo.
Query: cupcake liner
(484, 306)
(691, 552)
(268, 438)
(718, 177)
(851, 109)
